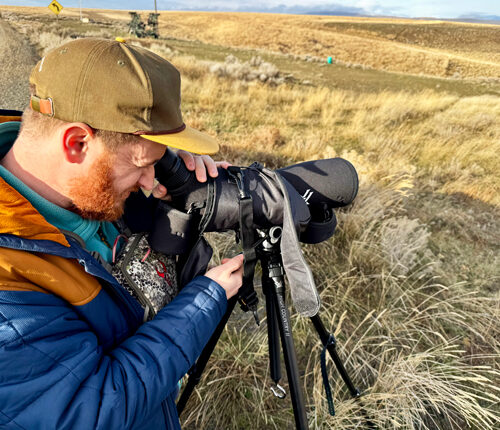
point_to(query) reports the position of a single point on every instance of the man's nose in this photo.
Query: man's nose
(147, 178)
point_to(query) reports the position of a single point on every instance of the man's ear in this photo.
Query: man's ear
(75, 139)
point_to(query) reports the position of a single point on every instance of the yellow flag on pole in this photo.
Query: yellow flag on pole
(55, 7)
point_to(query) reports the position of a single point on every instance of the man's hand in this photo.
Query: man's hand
(229, 275)
(200, 164)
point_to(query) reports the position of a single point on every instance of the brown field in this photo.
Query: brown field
(384, 45)
(410, 281)
(434, 48)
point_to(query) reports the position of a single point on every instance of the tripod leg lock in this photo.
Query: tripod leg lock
(278, 391)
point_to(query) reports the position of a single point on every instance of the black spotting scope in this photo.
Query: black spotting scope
(321, 184)
(250, 201)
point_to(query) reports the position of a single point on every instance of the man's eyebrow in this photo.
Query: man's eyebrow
(149, 164)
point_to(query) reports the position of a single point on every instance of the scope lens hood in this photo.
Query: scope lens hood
(319, 231)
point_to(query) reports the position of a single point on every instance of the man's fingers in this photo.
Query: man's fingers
(200, 170)
(211, 166)
(229, 274)
(202, 165)
(223, 164)
(233, 264)
(188, 158)
(159, 191)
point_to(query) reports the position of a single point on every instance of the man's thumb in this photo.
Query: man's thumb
(233, 263)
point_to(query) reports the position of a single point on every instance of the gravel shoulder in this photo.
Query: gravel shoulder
(17, 58)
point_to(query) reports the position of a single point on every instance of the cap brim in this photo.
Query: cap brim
(188, 139)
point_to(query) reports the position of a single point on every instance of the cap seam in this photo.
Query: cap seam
(161, 132)
(150, 86)
(89, 64)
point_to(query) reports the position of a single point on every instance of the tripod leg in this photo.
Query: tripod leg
(272, 336)
(332, 349)
(292, 369)
(326, 340)
(196, 371)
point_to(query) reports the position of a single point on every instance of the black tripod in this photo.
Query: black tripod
(278, 318)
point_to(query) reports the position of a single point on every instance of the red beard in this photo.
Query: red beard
(93, 195)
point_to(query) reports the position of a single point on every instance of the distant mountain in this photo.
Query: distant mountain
(328, 9)
(333, 13)
(325, 9)
(494, 19)
(479, 17)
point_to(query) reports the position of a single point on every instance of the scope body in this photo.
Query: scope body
(323, 184)
(299, 198)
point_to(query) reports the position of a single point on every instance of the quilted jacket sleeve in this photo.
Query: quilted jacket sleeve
(54, 373)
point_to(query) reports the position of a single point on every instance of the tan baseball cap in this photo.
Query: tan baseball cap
(112, 85)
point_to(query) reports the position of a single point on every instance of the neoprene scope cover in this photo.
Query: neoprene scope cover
(291, 197)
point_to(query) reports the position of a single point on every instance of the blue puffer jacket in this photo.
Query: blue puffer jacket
(73, 351)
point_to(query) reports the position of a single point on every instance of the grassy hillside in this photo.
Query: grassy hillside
(409, 283)
(432, 48)
(365, 42)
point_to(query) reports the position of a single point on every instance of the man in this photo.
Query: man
(74, 351)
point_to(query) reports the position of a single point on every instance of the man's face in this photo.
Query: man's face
(101, 194)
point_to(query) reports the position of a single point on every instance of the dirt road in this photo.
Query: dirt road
(17, 58)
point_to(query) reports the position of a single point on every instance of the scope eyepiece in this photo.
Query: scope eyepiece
(172, 173)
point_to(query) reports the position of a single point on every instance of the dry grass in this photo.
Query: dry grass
(409, 283)
(434, 48)
(451, 142)
(423, 347)
(424, 353)
(306, 35)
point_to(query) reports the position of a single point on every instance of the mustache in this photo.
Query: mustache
(134, 189)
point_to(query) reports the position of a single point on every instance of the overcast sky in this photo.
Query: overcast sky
(409, 8)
